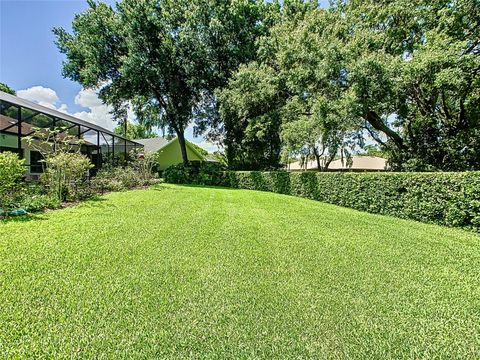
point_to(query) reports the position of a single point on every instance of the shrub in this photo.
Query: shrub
(38, 202)
(118, 179)
(65, 174)
(11, 172)
(200, 173)
(451, 199)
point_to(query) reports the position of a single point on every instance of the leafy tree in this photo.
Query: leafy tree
(283, 98)
(405, 73)
(135, 131)
(373, 150)
(7, 89)
(165, 57)
(413, 75)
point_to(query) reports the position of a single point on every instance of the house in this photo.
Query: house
(169, 152)
(20, 118)
(359, 163)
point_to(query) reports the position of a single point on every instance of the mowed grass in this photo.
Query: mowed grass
(190, 272)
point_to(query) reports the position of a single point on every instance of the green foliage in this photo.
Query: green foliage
(451, 199)
(66, 169)
(34, 202)
(7, 89)
(139, 173)
(199, 173)
(406, 74)
(164, 57)
(135, 131)
(373, 150)
(252, 139)
(11, 171)
(199, 149)
(65, 175)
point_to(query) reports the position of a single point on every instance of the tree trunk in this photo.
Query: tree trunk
(378, 124)
(183, 147)
(317, 157)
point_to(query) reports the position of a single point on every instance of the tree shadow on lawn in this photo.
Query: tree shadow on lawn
(94, 202)
(24, 218)
(162, 187)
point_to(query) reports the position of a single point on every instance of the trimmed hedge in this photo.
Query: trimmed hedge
(451, 199)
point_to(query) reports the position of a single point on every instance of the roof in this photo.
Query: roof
(158, 143)
(153, 144)
(55, 113)
(372, 163)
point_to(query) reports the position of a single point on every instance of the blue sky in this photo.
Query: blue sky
(31, 64)
(28, 55)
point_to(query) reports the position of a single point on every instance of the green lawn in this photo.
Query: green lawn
(185, 272)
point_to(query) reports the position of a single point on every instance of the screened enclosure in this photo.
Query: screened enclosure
(20, 118)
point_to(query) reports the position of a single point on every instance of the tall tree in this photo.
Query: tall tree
(164, 57)
(414, 76)
(135, 131)
(251, 104)
(406, 73)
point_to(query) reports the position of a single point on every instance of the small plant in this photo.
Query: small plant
(11, 171)
(118, 179)
(65, 168)
(144, 164)
(65, 174)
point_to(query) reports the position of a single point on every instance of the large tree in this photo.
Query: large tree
(414, 76)
(405, 73)
(163, 57)
(251, 106)
(290, 97)
(135, 131)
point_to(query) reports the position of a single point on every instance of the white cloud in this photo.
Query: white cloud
(96, 113)
(41, 95)
(88, 98)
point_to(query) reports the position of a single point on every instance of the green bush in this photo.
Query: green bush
(451, 199)
(118, 179)
(38, 202)
(200, 173)
(11, 172)
(65, 175)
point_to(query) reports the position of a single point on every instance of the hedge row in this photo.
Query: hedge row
(451, 199)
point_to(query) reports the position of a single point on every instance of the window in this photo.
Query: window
(36, 163)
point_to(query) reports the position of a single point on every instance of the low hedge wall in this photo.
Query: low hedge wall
(451, 199)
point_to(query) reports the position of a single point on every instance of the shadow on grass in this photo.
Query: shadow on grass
(162, 187)
(24, 218)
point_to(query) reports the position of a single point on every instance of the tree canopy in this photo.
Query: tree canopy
(7, 89)
(165, 58)
(403, 73)
(273, 80)
(135, 131)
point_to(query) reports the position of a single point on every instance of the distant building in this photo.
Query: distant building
(169, 152)
(359, 163)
